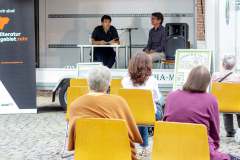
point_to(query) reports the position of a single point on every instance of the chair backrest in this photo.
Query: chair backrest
(180, 141)
(72, 94)
(115, 85)
(228, 96)
(78, 82)
(141, 104)
(102, 139)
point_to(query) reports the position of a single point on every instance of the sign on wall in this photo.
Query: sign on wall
(17, 57)
(186, 60)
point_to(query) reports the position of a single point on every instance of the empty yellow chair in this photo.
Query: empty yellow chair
(72, 94)
(228, 96)
(102, 139)
(115, 85)
(180, 141)
(141, 104)
(78, 82)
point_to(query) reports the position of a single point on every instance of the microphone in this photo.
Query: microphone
(129, 30)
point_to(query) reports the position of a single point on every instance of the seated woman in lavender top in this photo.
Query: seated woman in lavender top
(194, 105)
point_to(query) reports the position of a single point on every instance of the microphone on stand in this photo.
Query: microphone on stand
(129, 30)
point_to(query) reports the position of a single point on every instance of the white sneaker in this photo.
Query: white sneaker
(237, 136)
(145, 152)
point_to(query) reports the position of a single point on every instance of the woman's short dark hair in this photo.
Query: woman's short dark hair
(159, 16)
(106, 17)
(140, 68)
(198, 80)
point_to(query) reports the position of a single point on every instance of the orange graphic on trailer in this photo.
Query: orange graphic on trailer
(3, 21)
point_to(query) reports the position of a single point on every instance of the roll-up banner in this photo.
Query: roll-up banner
(17, 57)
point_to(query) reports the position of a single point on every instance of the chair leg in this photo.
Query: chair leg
(160, 63)
(65, 140)
(63, 155)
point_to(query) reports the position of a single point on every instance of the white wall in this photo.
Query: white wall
(119, 6)
(222, 37)
(227, 34)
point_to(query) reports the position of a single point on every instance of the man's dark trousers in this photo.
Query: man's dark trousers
(107, 58)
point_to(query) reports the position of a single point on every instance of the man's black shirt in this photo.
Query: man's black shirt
(99, 34)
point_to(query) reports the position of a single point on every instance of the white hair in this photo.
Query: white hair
(229, 62)
(99, 79)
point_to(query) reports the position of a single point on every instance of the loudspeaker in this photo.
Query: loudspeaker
(177, 29)
(172, 44)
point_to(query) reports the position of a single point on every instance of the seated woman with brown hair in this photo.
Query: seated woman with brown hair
(99, 104)
(194, 105)
(140, 77)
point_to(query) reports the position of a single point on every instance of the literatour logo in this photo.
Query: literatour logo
(3, 22)
(10, 36)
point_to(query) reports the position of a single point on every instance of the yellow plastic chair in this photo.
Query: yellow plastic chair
(141, 104)
(115, 85)
(78, 82)
(180, 141)
(72, 94)
(228, 96)
(102, 139)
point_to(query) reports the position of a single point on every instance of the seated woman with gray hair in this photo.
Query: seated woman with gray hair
(228, 76)
(99, 104)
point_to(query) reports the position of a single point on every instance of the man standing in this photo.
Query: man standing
(105, 34)
(157, 38)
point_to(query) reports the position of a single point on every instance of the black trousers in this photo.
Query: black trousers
(228, 123)
(107, 57)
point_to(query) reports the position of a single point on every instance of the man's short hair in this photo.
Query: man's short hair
(106, 17)
(159, 16)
